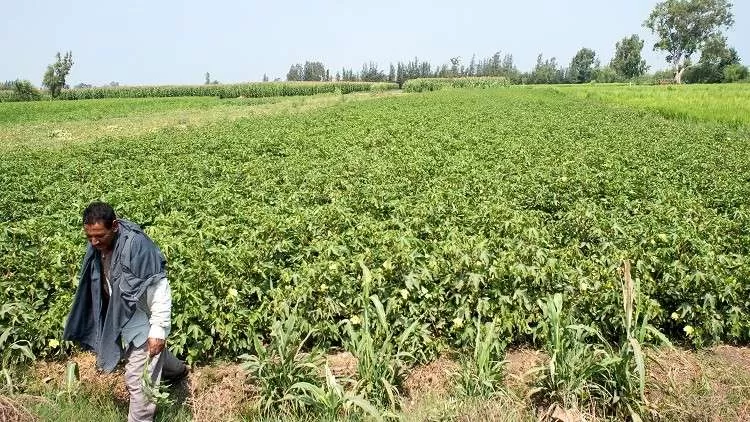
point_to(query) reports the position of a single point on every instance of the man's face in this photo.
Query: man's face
(100, 236)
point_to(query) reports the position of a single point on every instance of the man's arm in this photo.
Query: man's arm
(159, 297)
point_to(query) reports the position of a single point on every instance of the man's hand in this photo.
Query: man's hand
(155, 346)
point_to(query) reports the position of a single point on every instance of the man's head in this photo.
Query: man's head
(100, 225)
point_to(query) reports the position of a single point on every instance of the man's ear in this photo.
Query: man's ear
(115, 225)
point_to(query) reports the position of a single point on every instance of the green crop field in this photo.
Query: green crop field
(727, 104)
(465, 204)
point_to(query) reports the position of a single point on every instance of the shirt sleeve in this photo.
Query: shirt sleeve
(159, 298)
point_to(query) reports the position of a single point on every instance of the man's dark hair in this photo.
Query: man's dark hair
(99, 212)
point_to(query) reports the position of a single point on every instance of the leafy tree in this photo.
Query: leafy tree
(509, 70)
(443, 71)
(54, 77)
(208, 79)
(400, 77)
(715, 57)
(456, 68)
(627, 61)
(545, 72)
(683, 27)
(495, 66)
(83, 85)
(295, 73)
(314, 71)
(472, 70)
(392, 74)
(348, 75)
(371, 73)
(25, 91)
(265, 78)
(735, 72)
(606, 74)
(582, 66)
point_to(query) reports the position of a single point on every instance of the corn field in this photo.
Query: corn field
(247, 90)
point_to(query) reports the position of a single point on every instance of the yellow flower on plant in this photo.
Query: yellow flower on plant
(458, 322)
(688, 330)
(404, 293)
(52, 343)
(232, 293)
(675, 316)
(355, 320)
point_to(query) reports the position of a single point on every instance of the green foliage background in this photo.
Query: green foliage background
(464, 203)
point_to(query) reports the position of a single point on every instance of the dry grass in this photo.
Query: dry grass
(433, 379)
(219, 393)
(520, 362)
(12, 411)
(342, 364)
(710, 385)
(93, 381)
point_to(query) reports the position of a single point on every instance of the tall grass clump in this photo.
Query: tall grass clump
(382, 360)
(587, 371)
(331, 400)
(481, 373)
(278, 366)
(15, 354)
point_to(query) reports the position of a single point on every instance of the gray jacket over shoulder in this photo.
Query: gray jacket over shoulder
(137, 263)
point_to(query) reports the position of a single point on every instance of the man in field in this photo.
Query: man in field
(123, 304)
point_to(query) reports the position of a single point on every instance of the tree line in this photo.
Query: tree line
(683, 28)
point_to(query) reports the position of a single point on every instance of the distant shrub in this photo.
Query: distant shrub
(735, 72)
(25, 91)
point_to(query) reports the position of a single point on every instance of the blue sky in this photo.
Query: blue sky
(176, 42)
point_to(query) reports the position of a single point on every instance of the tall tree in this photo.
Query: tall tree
(371, 73)
(627, 61)
(54, 77)
(348, 75)
(716, 56)
(400, 74)
(582, 66)
(682, 27)
(546, 72)
(295, 73)
(314, 71)
(208, 79)
(455, 66)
